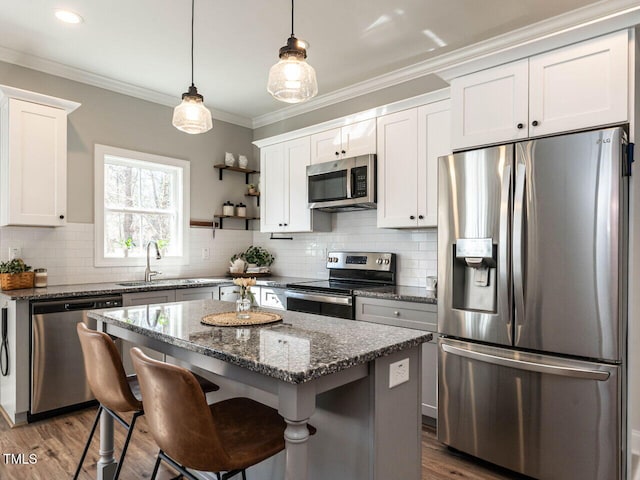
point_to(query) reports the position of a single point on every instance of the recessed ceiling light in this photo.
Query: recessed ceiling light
(67, 16)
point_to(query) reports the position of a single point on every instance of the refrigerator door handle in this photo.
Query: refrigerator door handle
(573, 372)
(503, 248)
(518, 228)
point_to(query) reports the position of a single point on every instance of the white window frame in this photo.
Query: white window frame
(100, 151)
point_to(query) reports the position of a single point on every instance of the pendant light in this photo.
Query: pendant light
(191, 116)
(292, 79)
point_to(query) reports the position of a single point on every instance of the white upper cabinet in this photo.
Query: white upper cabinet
(349, 141)
(409, 144)
(490, 106)
(283, 201)
(575, 87)
(33, 159)
(579, 86)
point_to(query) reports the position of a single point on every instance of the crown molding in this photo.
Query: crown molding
(11, 92)
(71, 73)
(587, 22)
(412, 102)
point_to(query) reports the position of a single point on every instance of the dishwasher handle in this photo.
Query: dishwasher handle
(69, 307)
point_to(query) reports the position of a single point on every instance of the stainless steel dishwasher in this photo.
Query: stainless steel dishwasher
(58, 381)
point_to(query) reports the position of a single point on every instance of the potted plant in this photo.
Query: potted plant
(15, 274)
(126, 245)
(252, 189)
(258, 256)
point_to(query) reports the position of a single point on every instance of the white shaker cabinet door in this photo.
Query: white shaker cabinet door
(434, 140)
(490, 106)
(579, 86)
(34, 164)
(359, 138)
(297, 157)
(273, 196)
(397, 157)
(326, 146)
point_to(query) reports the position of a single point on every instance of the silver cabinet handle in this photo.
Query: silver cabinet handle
(396, 313)
(573, 372)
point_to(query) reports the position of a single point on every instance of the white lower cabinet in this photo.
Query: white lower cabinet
(230, 293)
(419, 316)
(272, 297)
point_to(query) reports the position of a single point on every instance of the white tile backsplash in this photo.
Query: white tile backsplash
(67, 252)
(305, 255)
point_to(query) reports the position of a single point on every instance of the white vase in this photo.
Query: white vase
(243, 161)
(229, 159)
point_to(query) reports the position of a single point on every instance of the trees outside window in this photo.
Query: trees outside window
(139, 198)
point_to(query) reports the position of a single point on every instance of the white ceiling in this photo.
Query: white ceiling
(145, 43)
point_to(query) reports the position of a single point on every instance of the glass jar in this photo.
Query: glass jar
(40, 277)
(243, 307)
(241, 210)
(227, 209)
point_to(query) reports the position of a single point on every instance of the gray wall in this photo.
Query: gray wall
(119, 120)
(385, 96)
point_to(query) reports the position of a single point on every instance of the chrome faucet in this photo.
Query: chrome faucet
(148, 273)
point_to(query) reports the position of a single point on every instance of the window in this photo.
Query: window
(139, 198)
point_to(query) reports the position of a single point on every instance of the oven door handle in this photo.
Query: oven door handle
(314, 297)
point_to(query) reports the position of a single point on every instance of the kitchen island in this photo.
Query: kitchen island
(330, 372)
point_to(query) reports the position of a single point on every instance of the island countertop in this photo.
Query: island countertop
(297, 349)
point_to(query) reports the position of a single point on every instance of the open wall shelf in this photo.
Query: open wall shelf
(247, 171)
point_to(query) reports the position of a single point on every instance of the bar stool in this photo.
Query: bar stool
(229, 436)
(112, 388)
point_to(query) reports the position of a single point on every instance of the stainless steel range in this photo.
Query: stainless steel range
(348, 272)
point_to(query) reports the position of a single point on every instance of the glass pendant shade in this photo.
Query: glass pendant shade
(292, 79)
(191, 116)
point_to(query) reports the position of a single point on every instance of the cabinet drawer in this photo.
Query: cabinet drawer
(419, 316)
(273, 298)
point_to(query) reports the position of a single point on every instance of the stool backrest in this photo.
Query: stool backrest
(178, 415)
(105, 373)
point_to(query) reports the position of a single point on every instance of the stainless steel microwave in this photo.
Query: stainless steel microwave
(347, 184)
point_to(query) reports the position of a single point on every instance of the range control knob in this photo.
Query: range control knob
(386, 261)
(379, 261)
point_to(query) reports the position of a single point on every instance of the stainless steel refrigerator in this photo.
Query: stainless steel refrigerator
(532, 268)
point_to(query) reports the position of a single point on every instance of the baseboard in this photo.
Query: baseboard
(635, 442)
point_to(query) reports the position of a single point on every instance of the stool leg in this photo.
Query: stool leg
(155, 469)
(126, 443)
(86, 447)
(244, 475)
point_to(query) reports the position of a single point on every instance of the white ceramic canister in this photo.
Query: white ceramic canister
(228, 209)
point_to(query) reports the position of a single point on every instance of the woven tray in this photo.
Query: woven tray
(250, 275)
(228, 319)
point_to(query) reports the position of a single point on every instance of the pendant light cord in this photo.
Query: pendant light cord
(193, 2)
(292, 18)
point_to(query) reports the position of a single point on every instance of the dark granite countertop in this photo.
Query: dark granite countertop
(399, 292)
(131, 286)
(300, 348)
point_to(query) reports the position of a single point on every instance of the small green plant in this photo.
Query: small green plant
(257, 255)
(162, 244)
(128, 243)
(16, 265)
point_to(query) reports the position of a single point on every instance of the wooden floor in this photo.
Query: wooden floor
(57, 444)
